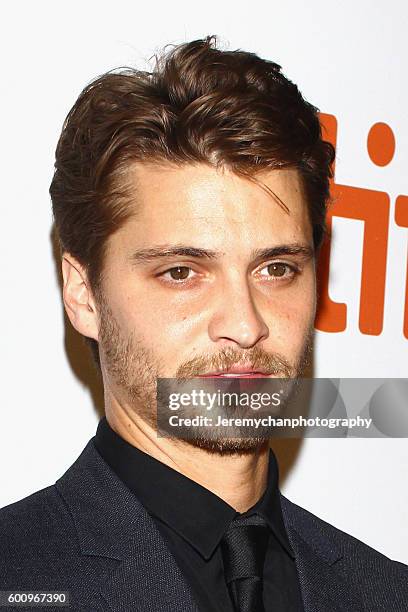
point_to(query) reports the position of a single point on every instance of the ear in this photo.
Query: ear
(78, 299)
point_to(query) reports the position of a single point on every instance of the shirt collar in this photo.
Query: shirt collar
(199, 516)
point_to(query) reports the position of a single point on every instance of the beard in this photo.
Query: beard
(133, 368)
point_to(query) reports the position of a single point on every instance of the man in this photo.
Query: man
(190, 206)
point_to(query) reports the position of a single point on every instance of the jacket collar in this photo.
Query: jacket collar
(112, 523)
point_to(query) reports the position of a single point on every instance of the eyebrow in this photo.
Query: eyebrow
(147, 255)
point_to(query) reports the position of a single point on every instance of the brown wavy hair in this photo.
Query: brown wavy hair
(199, 104)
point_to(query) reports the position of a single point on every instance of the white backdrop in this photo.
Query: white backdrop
(349, 58)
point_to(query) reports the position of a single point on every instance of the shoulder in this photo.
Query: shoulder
(357, 560)
(35, 530)
(40, 551)
(40, 516)
(308, 524)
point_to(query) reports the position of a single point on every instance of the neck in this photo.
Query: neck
(238, 479)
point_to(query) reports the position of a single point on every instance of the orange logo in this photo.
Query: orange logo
(372, 207)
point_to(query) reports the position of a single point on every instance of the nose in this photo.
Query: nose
(236, 320)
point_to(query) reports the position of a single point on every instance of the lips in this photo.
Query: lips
(235, 373)
(234, 376)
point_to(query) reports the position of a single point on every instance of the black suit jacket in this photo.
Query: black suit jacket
(89, 535)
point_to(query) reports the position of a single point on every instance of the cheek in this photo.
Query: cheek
(163, 327)
(289, 321)
(292, 323)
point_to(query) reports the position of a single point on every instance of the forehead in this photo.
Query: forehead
(200, 204)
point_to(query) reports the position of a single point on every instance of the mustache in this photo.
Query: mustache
(255, 358)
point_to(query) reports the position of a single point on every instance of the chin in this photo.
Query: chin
(228, 446)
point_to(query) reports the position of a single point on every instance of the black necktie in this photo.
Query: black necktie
(243, 550)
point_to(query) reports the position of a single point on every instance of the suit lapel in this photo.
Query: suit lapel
(112, 523)
(323, 586)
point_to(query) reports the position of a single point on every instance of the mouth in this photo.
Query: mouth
(235, 373)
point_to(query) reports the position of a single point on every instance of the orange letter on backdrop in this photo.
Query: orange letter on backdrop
(401, 218)
(372, 207)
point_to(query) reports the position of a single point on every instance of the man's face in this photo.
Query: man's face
(209, 274)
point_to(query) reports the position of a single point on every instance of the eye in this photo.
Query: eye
(178, 273)
(279, 269)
